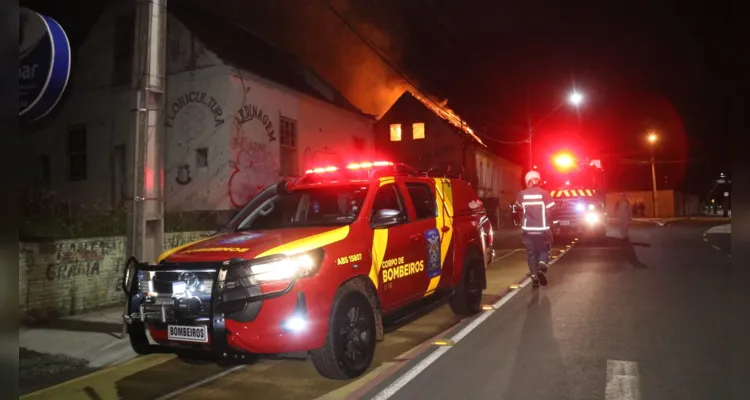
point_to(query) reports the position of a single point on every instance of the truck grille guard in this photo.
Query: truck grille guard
(179, 305)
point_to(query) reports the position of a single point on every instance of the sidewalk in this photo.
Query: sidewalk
(64, 349)
(667, 221)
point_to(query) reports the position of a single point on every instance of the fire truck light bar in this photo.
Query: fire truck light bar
(352, 166)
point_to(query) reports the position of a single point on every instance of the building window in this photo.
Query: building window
(201, 158)
(417, 130)
(124, 43)
(77, 162)
(43, 171)
(395, 132)
(288, 147)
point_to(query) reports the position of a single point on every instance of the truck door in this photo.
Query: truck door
(391, 246)
(431, 217)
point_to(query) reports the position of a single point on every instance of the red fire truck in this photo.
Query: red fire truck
(315, 265)
(577, 185)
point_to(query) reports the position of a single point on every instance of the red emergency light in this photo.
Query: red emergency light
(351, 166)
(564, 161)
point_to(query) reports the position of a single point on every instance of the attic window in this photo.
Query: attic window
(395, 132)
(417, 130)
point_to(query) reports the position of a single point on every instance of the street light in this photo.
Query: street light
(575, 98)
(652, 139)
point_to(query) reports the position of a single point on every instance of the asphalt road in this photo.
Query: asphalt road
(663, 317)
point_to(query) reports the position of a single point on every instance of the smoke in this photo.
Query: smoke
(309, 30)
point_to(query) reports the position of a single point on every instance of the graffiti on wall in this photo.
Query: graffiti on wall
(196, 104)
(315, 158)
(183, 175)
(253, 169)
(253, 112)
(255, 152)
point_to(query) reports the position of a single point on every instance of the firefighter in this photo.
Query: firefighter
(536, 204)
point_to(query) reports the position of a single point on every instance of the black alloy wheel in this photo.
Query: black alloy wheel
(350, 344)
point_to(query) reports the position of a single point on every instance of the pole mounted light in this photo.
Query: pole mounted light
(575, 98)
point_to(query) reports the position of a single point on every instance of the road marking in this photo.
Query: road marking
(716, 247)
(622, 381)
(407, 377)
(506, 255)
(201, 383)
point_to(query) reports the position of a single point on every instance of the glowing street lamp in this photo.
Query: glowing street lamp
(652, 139)
(575, 98)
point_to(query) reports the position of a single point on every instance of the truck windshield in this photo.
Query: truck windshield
(332, 205)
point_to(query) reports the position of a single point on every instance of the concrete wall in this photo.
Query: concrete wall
(102, 104)
(67, 277)
(671, 203)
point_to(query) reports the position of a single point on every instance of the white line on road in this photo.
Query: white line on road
(716, 247)
(201, 383)
(506, 255)
(622, 381)
(407, 377)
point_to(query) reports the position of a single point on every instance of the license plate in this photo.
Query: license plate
(564, 222)
(181, 333)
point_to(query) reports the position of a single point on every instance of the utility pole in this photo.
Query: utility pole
(145, 234)
(653, 182)
(531, 133)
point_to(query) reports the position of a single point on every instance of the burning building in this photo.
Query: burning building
(427, 135)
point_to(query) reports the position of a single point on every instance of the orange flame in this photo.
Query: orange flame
(441, 110)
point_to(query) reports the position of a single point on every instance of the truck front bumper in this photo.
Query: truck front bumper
(179, 314)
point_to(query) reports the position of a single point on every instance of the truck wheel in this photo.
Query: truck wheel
(138, 339)
(350, 344)
(467, 300)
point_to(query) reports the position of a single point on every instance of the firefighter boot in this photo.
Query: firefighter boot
(543, 267)
(534, 281)
(542, 278)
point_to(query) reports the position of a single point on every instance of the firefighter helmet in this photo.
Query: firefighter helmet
(530, 176)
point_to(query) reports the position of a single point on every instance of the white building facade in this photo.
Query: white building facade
(230, 130)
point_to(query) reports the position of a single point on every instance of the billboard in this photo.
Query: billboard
(44, 64)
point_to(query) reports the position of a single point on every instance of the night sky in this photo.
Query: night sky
(642, 66)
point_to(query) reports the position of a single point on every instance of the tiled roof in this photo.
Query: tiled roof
(254, 54)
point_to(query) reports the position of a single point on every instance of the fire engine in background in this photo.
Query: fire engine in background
(315, 265)
(577, 186)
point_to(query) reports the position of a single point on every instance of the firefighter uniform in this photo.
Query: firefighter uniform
(536, 204)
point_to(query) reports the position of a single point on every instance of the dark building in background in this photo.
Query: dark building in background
(426, 136)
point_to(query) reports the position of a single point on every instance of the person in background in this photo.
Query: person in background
(624, 213)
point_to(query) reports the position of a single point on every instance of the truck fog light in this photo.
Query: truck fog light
(295, 323)
(592, 218)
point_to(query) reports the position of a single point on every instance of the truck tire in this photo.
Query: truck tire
(467, 300)
(350, 344)
(138, 339)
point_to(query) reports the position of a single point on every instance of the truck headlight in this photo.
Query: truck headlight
(592, 218)
(282, 269)
(276, 268)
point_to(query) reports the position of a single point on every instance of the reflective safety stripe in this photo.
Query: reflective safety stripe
(572, 193)
(550, 205)
(532, 196)
(531, 228)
